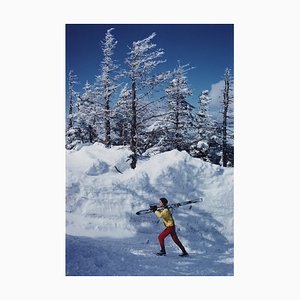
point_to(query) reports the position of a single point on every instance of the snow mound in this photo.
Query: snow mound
(98, 168)
(101, 202)
(106, 237)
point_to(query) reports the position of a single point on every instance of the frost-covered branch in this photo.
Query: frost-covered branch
(107, 81)
(141, 61)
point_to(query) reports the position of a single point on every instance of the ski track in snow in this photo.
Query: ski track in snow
(106, 238)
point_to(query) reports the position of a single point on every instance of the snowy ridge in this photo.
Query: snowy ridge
(101, 204)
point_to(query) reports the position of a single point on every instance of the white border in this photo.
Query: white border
(32, 159)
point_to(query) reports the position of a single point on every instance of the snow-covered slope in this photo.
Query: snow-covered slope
(101, 205)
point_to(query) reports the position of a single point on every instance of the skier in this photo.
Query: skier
(168, 220)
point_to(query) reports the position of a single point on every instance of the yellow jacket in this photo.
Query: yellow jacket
(166, 216)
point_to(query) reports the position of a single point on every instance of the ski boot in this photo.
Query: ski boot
(161, 253)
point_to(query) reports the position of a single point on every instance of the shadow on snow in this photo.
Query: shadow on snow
(210, 252)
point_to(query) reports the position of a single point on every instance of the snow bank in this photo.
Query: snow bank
(106, 237)
(101, 202)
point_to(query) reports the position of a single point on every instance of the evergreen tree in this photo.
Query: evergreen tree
(202, 116)
(204, 126)
(179, 122)
(227, 148)
(72, 136)
(141, 61)
(121, 118)
(106, 82)
(87, 115)
(72, 95)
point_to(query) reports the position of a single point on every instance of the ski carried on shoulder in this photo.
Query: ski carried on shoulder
(175, 205)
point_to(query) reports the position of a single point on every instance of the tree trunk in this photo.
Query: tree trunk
(224, 131)
(133, 133)
(107, 122)
(224, 138)
(177, 134)
(70, 116)
(177, 130)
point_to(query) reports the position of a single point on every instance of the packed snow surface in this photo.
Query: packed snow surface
(106, 237)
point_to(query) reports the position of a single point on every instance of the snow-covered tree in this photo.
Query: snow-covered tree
(87, 115)
(121, 118)
(141, 61)
(72, 137)
(179, 122)
(203, 119)
(106, 82)
(227, 149)
(204, 127)
(72, 80)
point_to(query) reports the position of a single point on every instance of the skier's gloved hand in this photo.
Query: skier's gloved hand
(153, 208)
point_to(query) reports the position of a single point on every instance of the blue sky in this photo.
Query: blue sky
(206, 47)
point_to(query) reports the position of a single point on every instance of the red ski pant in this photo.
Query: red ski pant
(170, 230)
